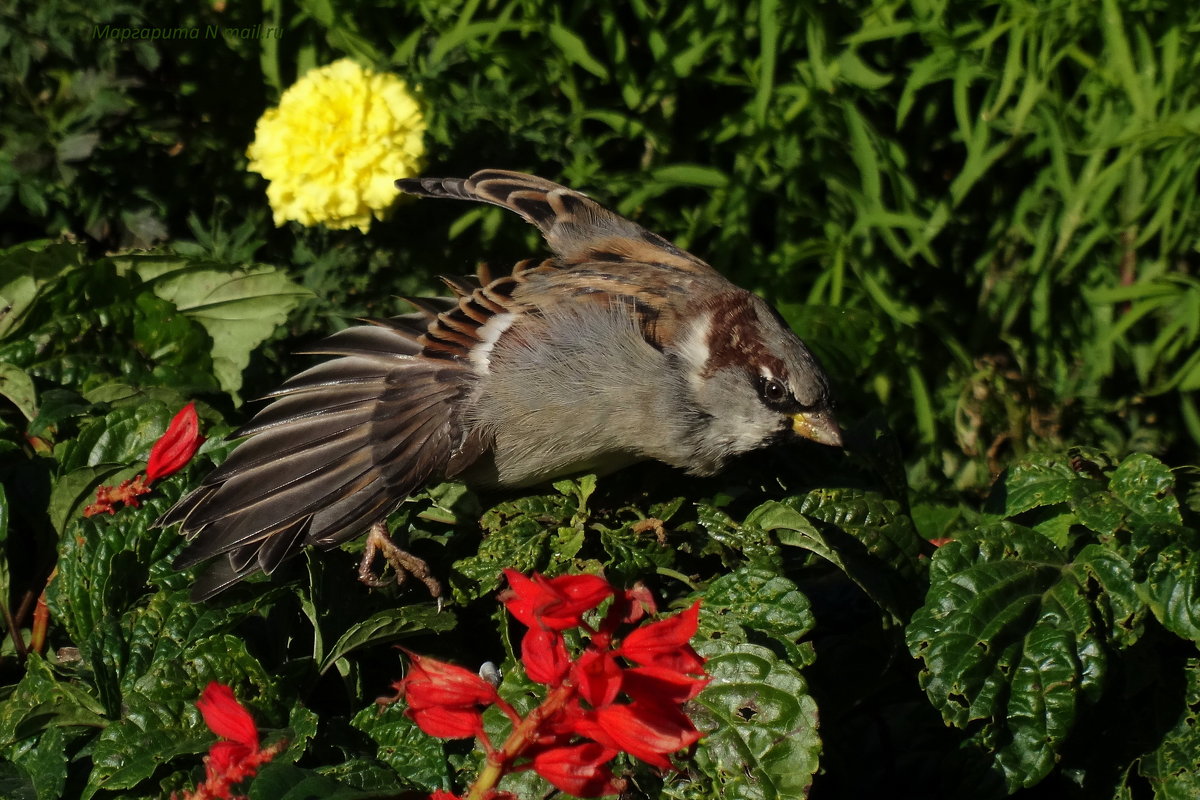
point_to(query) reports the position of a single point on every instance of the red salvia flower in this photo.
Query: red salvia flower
(553, 603)
(169, 454)
(606, 700)
(444, 700)
(598, 676)
(239, 756)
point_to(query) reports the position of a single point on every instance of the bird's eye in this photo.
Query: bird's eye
(772, 391)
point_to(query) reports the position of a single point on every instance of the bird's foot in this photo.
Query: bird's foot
(404, 563)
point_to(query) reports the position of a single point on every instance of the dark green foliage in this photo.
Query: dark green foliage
(982, 216)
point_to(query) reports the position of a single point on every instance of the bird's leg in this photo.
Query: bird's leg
(404, 563)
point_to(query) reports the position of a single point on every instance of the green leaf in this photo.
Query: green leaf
(1013, 638)
(1038, 480)
(388, 626)
(760, 722)
(1147, 487)
(417, 757)
(1173, 767)
(575, 50)
(238, 308)
(863, 534)
(279, 781)
(17, 386)
(77, 489)
(24, 271)
(690, 175)
(1172, 584)
(758, 600)
(40, 701)
(527, 533)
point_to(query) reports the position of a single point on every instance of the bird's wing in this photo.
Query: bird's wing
(578, 229)
(600, 256)
(337, 449)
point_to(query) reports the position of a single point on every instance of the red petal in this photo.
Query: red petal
(447, 723)
(544, 655)
(581, 770)
(226, 717)
(648, 731)
(442, 794)
(665, 643)
(177, 446)
(554, 603)
(431, 683)
(598, 677)
(225, 756)
(661, 685)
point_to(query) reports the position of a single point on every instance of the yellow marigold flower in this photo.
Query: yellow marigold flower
(340, 137)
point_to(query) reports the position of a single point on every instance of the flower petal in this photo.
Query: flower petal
(581, 770)
(598, 677)
(665, 643)
(431, 683)
(554, 603)
(647, 731)
(544, 656)
(177, 446)
(446, 722)
(226, 717)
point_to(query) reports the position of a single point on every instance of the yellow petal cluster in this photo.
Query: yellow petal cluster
(332, 149)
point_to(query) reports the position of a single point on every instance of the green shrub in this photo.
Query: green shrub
(982, 216)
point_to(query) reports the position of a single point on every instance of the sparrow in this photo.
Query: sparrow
(619, 348)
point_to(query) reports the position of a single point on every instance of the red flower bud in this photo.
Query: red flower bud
(226, 717)
(598, 677)
(177, 446)
(445, 700)
(544, 655)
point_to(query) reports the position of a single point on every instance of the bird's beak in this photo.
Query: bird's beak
(819, 426)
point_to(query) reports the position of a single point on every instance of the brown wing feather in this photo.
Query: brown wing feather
(338, 448)
(578, 229)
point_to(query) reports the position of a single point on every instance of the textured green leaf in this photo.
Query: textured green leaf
(364, 775)
(122, 436)
(417, 757)
(17, 387)
(1172, 583)
(861, 533)
(524, 534)
(44, 760)
(1173, 767)
(761, 601)
(159, 720)
(238, 308)
(1041, 479)
(16, 782)
(25, 270)
(278, 781)
(41, 701)
(1013, 636)
(388, 626)
(761, 725)
(77, 489)
(1147, 487)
